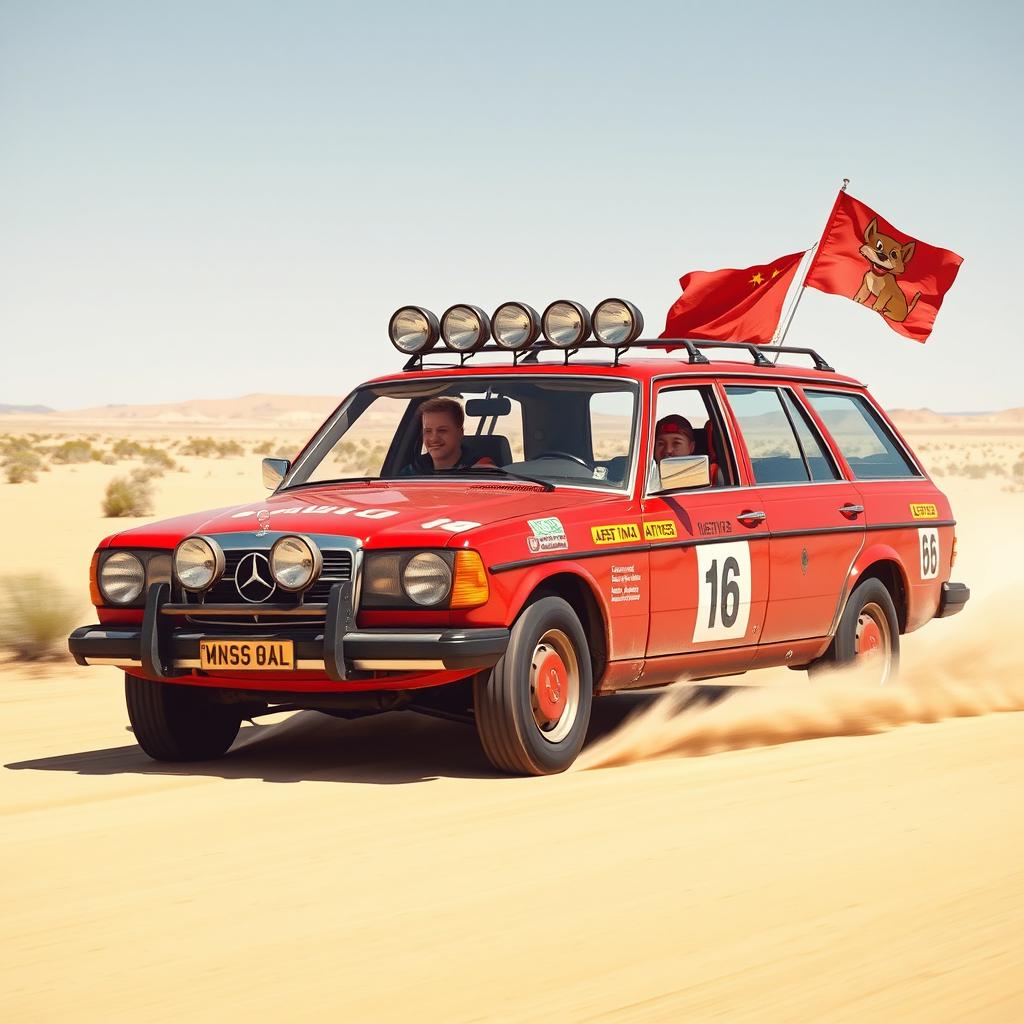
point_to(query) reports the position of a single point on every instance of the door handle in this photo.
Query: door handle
(851, 511)
(752, 518)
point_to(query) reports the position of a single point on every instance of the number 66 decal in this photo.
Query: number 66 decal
(723, 588)
(928, 544)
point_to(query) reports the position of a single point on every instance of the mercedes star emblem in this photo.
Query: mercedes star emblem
(253, 580)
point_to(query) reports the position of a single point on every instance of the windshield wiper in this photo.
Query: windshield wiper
(483, 471)
(337, 480)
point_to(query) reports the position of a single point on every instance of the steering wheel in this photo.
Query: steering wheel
(561, 455)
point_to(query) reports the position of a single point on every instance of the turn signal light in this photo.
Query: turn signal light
(469, 588)
(94, 587)
(952, 557)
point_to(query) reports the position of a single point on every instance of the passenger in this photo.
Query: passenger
(441, 422)
(673, 436)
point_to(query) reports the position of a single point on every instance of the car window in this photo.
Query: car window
(819, 461)
(863, 438)
(693, 407)
(771, 443)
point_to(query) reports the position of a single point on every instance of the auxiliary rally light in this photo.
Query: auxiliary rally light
(465, 328)
(566, 324)
(413, 330)
(617, 323)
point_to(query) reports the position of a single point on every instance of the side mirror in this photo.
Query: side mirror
(274, 471)
(680, 472)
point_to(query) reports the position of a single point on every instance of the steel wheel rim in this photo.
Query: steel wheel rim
(554, 649)
(873, 641)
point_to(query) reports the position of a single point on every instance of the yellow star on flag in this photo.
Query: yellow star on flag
(775, 274)
(756, 279)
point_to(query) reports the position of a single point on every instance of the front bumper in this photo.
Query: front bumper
(338, 649)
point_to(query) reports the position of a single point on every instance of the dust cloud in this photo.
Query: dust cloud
(971, 673)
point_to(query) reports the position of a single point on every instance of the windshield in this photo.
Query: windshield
(563, 431)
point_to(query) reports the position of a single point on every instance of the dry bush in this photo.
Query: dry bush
(158, 459)
(204, 447)
(225, 448)
(21, 466)
(263, 448)
(71, 452)
(36, 616)
(125, 449)
(286, 451)
(129, 495)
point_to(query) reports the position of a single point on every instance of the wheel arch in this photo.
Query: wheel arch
(884, 565)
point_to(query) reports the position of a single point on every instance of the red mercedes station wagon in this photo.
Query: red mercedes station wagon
(505, 540)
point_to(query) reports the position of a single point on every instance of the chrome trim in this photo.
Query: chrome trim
(383, 663)
(120, 662)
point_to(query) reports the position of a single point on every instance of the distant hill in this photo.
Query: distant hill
(927, 419)
(24, 410)
(279, 410)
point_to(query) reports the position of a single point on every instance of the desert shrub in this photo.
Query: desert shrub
(72, 452)
(36, 616)
(157, 458)
(108, 459)
(21, 466)
(130, 495)
(264, 448)
(204, 447)
(125, 449)
(286, 451)
(225, 448)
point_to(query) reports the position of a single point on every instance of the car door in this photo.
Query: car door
(815, 517)
(709, 546)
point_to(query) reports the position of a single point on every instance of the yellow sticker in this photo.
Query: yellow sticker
(663, 529)
(616, 533)
(924, 510)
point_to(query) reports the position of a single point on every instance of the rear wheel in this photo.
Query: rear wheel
(179, 723)
(533, 708)
(868, 635)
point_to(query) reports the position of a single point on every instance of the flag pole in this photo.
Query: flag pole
(787, 319)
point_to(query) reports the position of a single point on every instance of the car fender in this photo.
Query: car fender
(870, 554)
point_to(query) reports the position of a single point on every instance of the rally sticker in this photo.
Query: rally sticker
(928, 543)
(625, 584)
(723, 591)
(548, 535)
(615, 533)
(924, 510)
(662, 529)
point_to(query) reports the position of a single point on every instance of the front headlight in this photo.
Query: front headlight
(295, 563)
(198, 563)
(121, 578)
(427, 578)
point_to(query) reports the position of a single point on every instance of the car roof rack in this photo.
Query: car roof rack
(693, 352)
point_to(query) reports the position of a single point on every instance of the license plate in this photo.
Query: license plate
(246, 655)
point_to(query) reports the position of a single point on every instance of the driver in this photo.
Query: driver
(441, 423)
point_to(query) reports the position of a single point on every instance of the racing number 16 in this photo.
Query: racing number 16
(723, 591)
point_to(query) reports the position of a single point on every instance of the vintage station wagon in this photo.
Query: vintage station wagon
(550, 545)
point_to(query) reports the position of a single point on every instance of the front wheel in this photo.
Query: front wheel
(179, 723)
(868, 635)
(533, 708)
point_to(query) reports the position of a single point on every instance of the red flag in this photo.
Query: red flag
(863, 257)
(732, 305)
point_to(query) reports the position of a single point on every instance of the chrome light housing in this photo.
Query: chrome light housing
(427, 578)
(413, 330)
(566, 324)
(515, 326)
(617, 323)
(198, 563)
(465, 328)
(295, 563)
(122, 577)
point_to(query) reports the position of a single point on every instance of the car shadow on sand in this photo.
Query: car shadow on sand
(395, 748)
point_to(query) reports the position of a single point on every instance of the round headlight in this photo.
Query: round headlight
(465, 328)
(427, 579)
(566, 323)
(295, 563)
(617, 322)
(122, 577)
(198, 563)
(515, 325)
(413, 330)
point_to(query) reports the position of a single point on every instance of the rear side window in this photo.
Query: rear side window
(866, 442)
(819, 462)
(774, 452)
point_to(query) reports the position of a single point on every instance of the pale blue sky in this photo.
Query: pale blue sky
(208, 199)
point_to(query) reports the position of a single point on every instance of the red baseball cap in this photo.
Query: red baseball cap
(674, 424)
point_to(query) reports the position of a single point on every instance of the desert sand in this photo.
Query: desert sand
(793, 853)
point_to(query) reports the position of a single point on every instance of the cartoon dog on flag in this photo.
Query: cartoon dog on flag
(887, 258)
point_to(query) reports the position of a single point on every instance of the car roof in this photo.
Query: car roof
(635, 368)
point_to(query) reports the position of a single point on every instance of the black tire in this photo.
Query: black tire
(179, 723)
(507, 711)
(870, 600)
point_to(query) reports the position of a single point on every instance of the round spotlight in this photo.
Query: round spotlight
(566, 324)
(515, 325)
(198, 563)
(295, 563)
(122, 578)
(465, 328)
(617, 322)
(413, 330)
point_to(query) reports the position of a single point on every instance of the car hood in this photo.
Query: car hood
(378, 514)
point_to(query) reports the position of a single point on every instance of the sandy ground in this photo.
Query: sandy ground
(789, 854)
